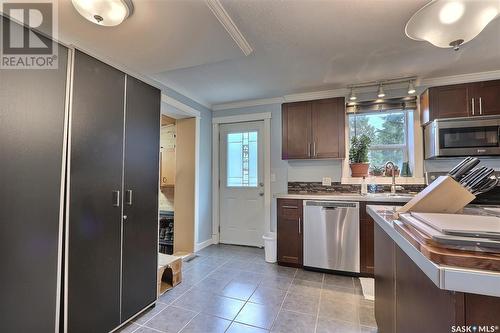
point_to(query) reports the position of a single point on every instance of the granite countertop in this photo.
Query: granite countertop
(481, 282)
(379, 197)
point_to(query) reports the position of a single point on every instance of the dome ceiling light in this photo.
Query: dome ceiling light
(451, 23)
(104, 12)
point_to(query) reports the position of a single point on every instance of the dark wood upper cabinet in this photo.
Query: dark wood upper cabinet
(446, 102)
(290, 236)
(296, 130)
(314, 129)
(328, 123)
(460, 100)
(487, 98)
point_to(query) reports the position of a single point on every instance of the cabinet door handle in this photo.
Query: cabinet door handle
(300, 229)
(128, 197)
(309, 150)
(480, 106)
(116, 198)
(314, 148)
(472, 103)
(290, 207)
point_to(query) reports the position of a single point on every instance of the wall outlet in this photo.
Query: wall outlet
(327, 181)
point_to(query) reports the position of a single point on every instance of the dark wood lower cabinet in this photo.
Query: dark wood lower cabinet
(289, 230)
(407, 301)
(366, 223)
(420, 305)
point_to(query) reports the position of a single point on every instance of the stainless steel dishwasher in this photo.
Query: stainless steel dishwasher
(331, 235)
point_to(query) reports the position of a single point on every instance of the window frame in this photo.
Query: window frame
(412, 147)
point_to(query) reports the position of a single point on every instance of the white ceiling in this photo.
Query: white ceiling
(299, 46)
(161, 35)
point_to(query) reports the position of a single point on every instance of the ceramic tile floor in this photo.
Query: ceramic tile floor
(232, 289)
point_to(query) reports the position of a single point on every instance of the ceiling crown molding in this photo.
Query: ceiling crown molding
(308, 96)
(462, 78)
(430, 82)
(228, 24)
(249, 103)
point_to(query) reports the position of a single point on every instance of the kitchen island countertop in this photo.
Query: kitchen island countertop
(480, 282)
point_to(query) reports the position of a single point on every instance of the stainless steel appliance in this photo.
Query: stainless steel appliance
(478, 136)
(331, 235)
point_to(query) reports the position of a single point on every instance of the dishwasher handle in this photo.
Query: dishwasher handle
(331, 204)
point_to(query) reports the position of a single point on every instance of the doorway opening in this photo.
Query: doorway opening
(178, 183)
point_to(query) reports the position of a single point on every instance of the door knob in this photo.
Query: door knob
(261, 194)
(261, 184)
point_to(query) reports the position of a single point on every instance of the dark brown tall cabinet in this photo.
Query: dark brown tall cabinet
(32, 150)
(314, 129)
(113, 196)
(79, 191)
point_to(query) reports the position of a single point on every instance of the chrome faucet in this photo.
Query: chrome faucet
(393, 168)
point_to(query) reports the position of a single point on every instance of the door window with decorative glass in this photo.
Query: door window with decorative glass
(242, 159)
(388, 132)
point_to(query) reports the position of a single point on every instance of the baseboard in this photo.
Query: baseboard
(215, 239)
(202, 245)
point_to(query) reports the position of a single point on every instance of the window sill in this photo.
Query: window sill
(384, 180)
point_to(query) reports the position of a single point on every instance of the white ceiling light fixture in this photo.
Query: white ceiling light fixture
(411, 88)
(451, 23)
(104, 12)
(352, 96)
(380, 92)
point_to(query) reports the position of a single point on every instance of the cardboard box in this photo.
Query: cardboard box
(169, 272)
(444, 195)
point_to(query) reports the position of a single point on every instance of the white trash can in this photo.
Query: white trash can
(270, 246)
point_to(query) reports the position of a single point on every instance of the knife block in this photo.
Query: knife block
(444, 195)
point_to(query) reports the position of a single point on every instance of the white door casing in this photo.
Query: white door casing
(241, 192)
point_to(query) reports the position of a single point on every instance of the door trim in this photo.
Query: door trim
(185, 111)
(216, 121)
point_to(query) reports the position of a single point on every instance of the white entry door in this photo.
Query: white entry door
(242, 183)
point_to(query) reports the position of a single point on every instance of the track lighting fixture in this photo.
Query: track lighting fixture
(411, 88)
(352, 96)
(380, 93)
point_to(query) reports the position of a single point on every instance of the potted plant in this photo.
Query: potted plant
(376, 170)
(358, 155)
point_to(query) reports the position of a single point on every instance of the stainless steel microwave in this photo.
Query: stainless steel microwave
(458, 137)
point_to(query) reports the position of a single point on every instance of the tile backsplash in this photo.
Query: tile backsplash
(317, 187)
